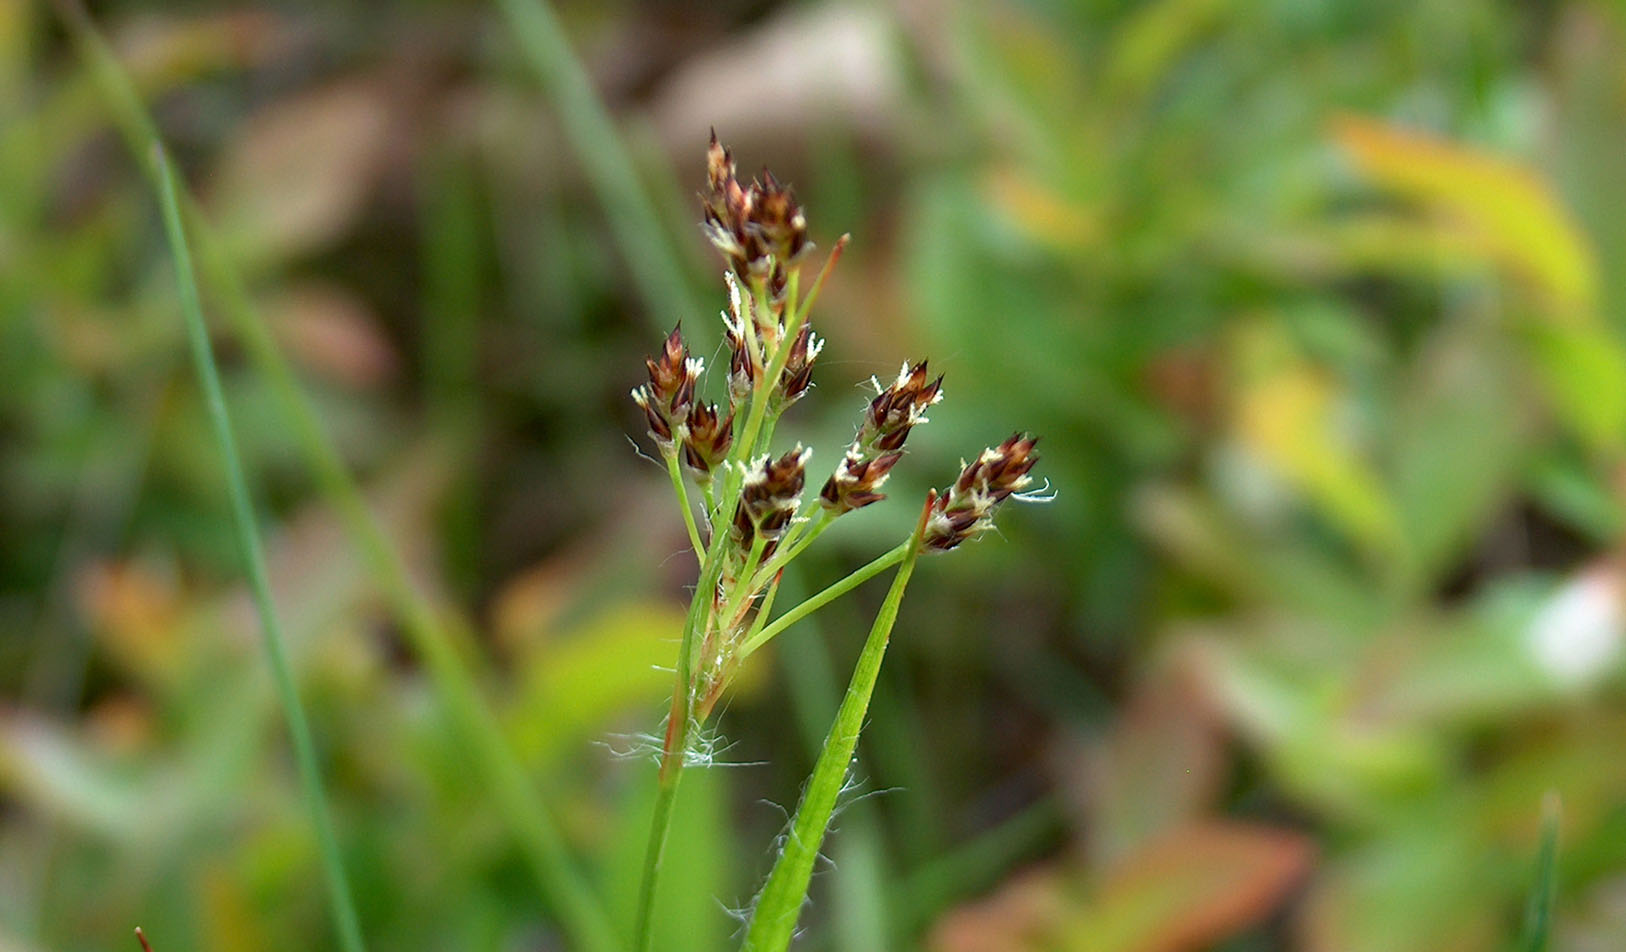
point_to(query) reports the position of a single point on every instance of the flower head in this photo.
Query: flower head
(798, 373)
(899, 408)
(967, 509)
(857, 479)
(769, 496)
(759, 228)
(709, 437)
(668, 396)
(887, 420)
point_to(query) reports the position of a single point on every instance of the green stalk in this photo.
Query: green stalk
(252, 553)
(675, 747)
(580, 912)
(683, 504)
(762, 612)
(859, 576)
(779, 905)
(795, 544)
(603, 158)
(742, 587)
(660, 826)
(769, 379)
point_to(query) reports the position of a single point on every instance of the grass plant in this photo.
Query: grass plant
(755, 522)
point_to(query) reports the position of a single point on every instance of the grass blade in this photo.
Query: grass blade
(651, 261)
(779, 905)
(579, 910)
(1538, 916)
(253, 555)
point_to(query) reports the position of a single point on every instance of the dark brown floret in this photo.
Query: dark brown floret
(742, 363)
(968, 507)
(760, 228)
(898, 408)
(769, 496)
(668, 396)
(798, 374)
(709, 439)
(855, 482)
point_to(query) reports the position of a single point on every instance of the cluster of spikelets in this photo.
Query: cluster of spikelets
(751, 497)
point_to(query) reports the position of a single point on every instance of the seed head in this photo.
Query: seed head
(879, 445)
(899, 408)
(760, 228)
(709, 437)
(770, 495)
(668, 396)
(798, 374)
(856, 480)
(967, 509)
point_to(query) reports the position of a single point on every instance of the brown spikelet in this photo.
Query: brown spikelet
(760, 228)
(967, 508)
(857, 479)
(769, 496)
(669, 395)
(897, 409)
(798, 374)
(709, 438)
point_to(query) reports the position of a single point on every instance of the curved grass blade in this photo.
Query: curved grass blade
(651, 259)
(579, 910)
(253, 555)
(1538, 916)
(779, 905)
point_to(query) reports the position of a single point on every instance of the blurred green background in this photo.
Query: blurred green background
(1318, 307)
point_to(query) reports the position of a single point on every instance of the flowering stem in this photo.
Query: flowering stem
(683, 504)
(743, 589)
(779, 905)
(835, 591)
(674, 748)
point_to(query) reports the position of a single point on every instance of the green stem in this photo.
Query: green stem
(683, 504)
(580, 911)
(1538, 915)
(675, 747)
(770, 379)
(835, 591)
(603, 157)
(779, 906)
(762, 612)
(796, 546)
(253, 556)
(742, 587)
(665, 797)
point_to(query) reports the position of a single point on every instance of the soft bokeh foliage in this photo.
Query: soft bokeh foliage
(1317, 306)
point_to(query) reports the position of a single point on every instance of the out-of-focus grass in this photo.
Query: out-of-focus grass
(1317, 306)
(252, 552)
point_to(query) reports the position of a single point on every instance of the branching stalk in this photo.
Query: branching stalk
(794, 546)
(683, 504)
(859, 576)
